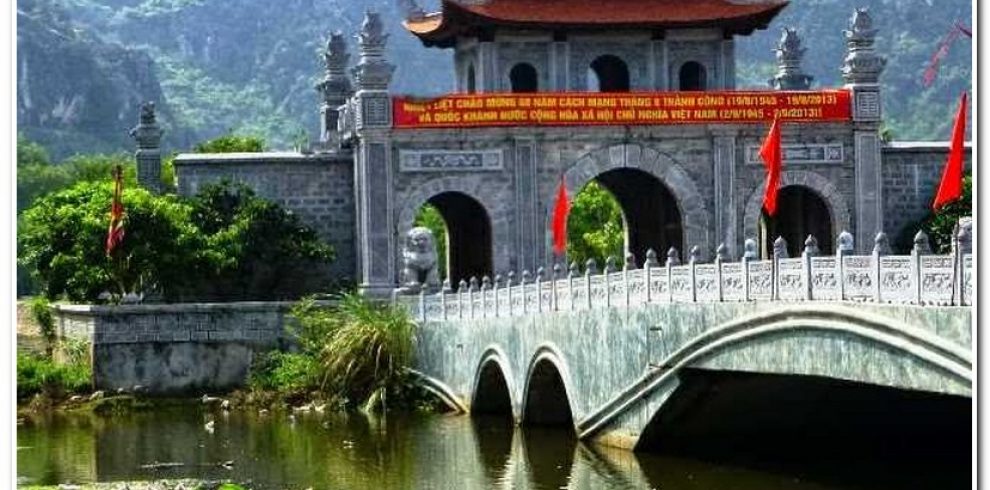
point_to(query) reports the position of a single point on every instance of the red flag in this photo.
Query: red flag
(773, 159)
(950, 188)
(115, 234)
(559, 226)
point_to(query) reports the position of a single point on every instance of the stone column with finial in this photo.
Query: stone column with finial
(861, 71)
(789, 53)
(334, 89)
(372, 107)
(148, 135)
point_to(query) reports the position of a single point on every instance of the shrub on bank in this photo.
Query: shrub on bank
(42, 375)
(356, 353)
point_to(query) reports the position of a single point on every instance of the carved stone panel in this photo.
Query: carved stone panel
(760, 280)
(733, 288)
(790, 283)
(450, 160)
(705, 282)
(824, 280)
(937, 276)
(895, 279)
(857, 277)
(827, 153)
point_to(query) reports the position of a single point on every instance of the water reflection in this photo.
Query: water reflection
(357, 452)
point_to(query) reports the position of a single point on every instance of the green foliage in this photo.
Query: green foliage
(224, 244)
(41, 312)
(37, 374)
(940, 226)
(429, 217)
(362, 349)
(231, 143)
(594, 226)
(285, 373)
(258, 249)
(63, 235)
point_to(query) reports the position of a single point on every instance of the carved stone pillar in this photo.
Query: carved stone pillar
(148, 136)
(724, 165)
(789, 53)
(861, 71)
(560, 52)
(529, 244)
(487, 69)
(372, 106)
(334, 89)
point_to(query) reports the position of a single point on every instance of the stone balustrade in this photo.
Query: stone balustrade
(920, 278)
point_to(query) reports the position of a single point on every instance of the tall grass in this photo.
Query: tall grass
(355, 352)
(40, 374)
(368, 350)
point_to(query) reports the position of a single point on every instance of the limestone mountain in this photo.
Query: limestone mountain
(250, 65)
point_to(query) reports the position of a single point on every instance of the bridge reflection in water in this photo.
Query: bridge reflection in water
(459, 452)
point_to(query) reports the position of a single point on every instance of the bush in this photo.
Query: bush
(366, 356)
(41, 312)
(285, 373)
(231, 143)
(63, 235)
(258, 249)
(41, 375)
(940, 226)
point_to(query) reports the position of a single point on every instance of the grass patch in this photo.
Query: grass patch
(42, 375)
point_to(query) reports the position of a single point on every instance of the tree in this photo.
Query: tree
(63, 235)
(231, 143)
(940, 225)
(258, 249)
(594, 226)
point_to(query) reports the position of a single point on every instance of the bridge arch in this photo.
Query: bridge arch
(824, 188)
(473, 206)
(493, 386)
(693, 214)
(830, 341)
(548, 391)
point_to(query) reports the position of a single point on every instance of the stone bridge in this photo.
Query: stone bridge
(609, 352)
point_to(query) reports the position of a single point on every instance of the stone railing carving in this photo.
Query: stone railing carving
(919, 278)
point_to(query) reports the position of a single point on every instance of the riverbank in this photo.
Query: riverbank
(186, 484)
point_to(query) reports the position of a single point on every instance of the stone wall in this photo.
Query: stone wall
(178, 348)
(911, 174)
(319, 188)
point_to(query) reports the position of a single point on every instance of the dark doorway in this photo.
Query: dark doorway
(523, 78)
(469, 236)
(800, 212)
(693, 76)
(652, 218)
(610, 75)
(546, 397)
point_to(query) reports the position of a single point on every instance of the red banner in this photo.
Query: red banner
(632, 108)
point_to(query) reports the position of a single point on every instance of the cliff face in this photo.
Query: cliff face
(77, 93)
(249, 66)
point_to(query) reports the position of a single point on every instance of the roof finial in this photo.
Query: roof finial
(789, 53)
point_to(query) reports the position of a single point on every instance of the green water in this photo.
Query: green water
(359, 452)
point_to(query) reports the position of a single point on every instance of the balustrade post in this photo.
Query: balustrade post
(843, 246)
(721, 255)
(443, 298)
(539, 289)
(609, 269)
(749, 253)
(779, 252)
(810, 250)
(672, 260)
(963, 245)
(572, 272)
(486, 293)
(422, 304)
(510, 279)
(555, 303)
(881, 247)
(921, 247)
(629, 265)
(461, 289)
(496, 284)
(589, 269)
(522, 287)
(693, 261)
(472, 287)
(651, 262)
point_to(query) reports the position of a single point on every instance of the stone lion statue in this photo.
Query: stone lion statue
(419, 258)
